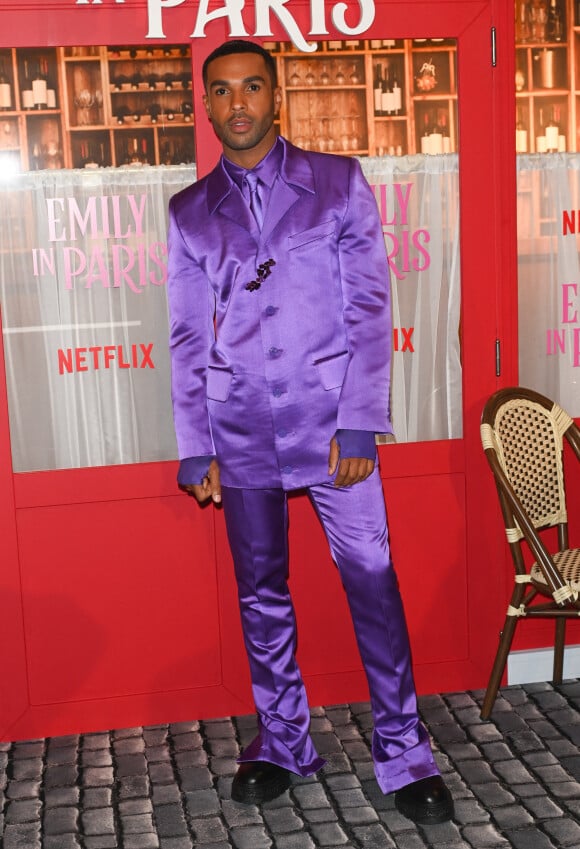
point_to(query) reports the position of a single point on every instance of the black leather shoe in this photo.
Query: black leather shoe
(259, 781)
(425, 801)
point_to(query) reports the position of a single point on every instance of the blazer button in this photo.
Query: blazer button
(270, 310)
(274, 353)
(287, 470)
(277, 392)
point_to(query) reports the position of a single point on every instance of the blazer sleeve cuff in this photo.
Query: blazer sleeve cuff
(356, 443)
(192, 470)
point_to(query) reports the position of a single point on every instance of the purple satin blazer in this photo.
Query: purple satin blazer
(263, 377)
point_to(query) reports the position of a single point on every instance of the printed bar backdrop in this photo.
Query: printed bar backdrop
(83, 272)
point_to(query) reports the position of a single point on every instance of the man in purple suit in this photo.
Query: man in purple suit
(280, 345)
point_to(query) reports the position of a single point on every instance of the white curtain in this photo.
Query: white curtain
(549, 276)
(418, 197)
(84, 311)
(82, 268)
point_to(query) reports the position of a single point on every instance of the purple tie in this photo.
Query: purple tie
(254, 185)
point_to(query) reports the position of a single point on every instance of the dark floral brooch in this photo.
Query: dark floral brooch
(263, 271)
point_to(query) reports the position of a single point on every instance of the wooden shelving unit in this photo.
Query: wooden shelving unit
(105, 106)
(125, 105)
(333, 102)
(547, 57)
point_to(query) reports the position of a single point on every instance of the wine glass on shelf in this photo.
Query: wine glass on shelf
(309, 79)
(301, 138)
(345, 137)
(312, 122)
(328, 134)
(340, 78)
(84, 100)
(324, 76)
(294, 78)
(99, 105)
(52, 154)
(355, 128)
(323, 139)
(354, 75)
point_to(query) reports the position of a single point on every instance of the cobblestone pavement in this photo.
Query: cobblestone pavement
(515, 781)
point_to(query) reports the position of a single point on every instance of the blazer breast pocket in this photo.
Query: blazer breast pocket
(331, 370)
(313, 234)
(219, 382)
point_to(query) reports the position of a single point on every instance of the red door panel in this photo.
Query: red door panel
(118, 604)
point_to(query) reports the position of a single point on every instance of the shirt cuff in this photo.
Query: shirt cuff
(192, 470)
(356, 443)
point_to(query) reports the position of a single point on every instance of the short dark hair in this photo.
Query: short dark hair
(238, 45)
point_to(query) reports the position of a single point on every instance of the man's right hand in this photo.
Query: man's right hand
(210, 486)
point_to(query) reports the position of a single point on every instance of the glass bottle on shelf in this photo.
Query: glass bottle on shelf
(5, 90)
(387, 95)
(426, 135)
(26, 96)
(397, 95)
(136, 80)
(378, 90)
(552, 131)
(541, 145)
(538, 19)
(35, 159)
(555, 25)
(40, 85)
(133, 156)
(436, 137)
(144, 151)
(121, 113)
(120, 81)
(521, 135)
(154, 111)
(523, 28)
(445, 131)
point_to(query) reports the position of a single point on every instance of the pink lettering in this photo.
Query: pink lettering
(567, 304)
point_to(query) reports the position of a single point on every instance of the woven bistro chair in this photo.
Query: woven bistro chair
(522, 434)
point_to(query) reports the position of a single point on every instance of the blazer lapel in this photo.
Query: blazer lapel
(282, 198)
(224, 198)
(295, 177)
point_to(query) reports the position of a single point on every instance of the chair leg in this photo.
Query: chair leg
(499, 663)
(559, 650)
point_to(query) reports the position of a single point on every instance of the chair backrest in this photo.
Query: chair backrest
(524, 431)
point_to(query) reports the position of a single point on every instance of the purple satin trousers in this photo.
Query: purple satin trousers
(354, 520)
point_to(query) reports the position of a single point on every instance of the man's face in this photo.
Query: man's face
(241, 103)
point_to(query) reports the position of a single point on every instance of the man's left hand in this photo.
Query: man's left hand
(351, 470)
